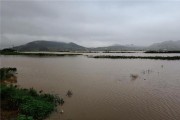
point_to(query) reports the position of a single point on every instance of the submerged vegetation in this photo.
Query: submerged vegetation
(7, 74)
(162, 52)
(118, 52)
(138, 57)
(27, 104)
(69, 93)
(134, 76)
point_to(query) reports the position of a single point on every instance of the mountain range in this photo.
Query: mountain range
(166, 45)
(42, 45)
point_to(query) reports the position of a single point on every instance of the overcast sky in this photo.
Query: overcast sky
(90, 23)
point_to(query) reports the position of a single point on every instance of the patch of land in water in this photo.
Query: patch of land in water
(138, 57)
(38, 54)
(162, 52)
(24, 104)
(118, 52)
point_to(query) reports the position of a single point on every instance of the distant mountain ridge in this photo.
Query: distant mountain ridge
(162, 46)
(166, 45)
(118, 47)
(42, 45)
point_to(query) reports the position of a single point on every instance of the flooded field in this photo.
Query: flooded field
(104, 89)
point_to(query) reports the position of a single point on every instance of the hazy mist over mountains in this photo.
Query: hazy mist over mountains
(89, 23)
(42, 45)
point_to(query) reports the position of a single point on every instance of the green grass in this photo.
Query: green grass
(138, 57)
(32, 105)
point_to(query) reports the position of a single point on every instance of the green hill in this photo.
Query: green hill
(42, 45)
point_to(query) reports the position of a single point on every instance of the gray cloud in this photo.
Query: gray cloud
(90, 23)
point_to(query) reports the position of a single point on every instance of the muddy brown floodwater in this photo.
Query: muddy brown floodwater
(103, 89)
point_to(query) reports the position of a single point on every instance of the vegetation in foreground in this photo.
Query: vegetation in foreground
(138, 57)
(24, 104)
(28, 102)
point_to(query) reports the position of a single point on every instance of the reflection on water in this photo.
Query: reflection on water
(103, 88)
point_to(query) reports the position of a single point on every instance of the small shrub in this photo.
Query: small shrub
(134, 76)
(6, 73)
(69, 93)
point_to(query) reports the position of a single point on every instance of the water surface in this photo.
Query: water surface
(103, 88)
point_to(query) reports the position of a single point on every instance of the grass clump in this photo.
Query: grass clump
(6, 73)
(24, 117)
(30, 104)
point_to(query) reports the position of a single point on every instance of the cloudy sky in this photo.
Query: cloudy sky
(90, 23)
